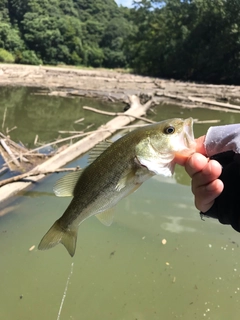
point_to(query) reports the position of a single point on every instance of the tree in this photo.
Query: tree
(10, 38)
(117, 30)
(62, 31)
(197, 40)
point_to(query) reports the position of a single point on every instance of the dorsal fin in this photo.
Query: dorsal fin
(64, 187)
(98, 149)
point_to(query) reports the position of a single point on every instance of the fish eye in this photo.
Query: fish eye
(169, 130)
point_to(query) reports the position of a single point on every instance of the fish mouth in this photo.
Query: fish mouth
(188, 134)
(186, 142)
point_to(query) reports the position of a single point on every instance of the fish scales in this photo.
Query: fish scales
(98, 178)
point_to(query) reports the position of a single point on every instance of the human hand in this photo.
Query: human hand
(213, 179)
(206, 186)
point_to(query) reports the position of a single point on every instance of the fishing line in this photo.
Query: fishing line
(65, 291)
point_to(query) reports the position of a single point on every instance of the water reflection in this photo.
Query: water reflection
(8, 209)
(123, 271)
(46, 115)
(175, 225)
(36, 194)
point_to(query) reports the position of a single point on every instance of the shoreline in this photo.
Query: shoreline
(116, 86)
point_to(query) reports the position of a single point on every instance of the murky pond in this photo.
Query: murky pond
(123, 272)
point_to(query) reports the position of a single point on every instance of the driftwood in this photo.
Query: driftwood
(116, 114)
(80, 147)
(215, 103)
(14, 144)
(79, 120)
(76, 82)
(18, 158)
(9, 151)
(70, 81)
(3, 169)
(206, 121)
(120, 128)
(172, 96)
(79, 135)
(4, 117)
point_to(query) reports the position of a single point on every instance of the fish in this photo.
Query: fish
(115, 170)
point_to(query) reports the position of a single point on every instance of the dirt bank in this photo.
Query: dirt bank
(113, 85)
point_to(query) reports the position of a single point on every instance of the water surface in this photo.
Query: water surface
(123, 272)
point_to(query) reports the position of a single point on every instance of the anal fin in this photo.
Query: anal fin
(106, 217)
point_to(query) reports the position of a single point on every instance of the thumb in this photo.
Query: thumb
(200, 148)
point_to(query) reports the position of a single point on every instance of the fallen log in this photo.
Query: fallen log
(206, 121)
(80, 147)
(215, 103)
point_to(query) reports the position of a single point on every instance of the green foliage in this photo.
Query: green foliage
(10, 38)
(6, 56)
(196, 40)
(4, 17)
(117, 30)
(183, 39)
(27, 57)
(60, 31)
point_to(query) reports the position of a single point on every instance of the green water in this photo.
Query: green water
(123, 272)
(36, 114)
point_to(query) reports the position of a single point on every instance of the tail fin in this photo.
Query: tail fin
(55, 235)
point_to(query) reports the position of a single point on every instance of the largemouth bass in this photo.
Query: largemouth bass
(117, 169)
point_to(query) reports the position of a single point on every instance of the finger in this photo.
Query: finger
(195, 164)
(200, 148)
(210, 172)
(181, 158)
(206, 195)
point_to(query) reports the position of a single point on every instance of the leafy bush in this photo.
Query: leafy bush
(27, 57)
(6, 56)
(76, 60)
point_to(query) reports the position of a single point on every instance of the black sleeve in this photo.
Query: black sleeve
(226, 207)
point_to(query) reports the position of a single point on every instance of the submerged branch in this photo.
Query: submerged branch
(60, 140)
(4, 117)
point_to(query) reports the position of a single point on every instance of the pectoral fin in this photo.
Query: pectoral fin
(125, 179)
(106, 217)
